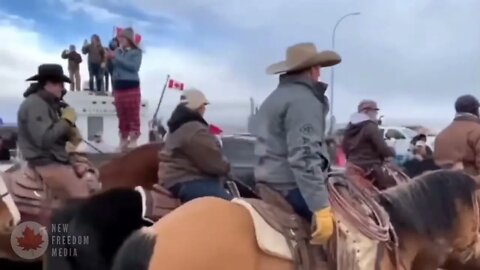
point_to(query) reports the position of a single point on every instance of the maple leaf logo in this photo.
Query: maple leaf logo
(30, 240)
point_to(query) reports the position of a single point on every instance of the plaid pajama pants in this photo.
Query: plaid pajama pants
(127, 103)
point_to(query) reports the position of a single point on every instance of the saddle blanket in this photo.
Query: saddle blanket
(269, 240)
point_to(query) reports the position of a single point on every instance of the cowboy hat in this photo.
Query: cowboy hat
(50, 72)
(304, 55)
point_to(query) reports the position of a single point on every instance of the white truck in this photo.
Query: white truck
(399, 138)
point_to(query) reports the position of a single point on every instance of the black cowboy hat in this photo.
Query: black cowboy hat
(50, 72)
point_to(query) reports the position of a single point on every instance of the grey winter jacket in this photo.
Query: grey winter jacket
(290, 132)
(42, 134)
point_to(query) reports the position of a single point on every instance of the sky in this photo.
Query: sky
(414, 57)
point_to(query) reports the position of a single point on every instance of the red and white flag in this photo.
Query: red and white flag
(215, 130)
(173, 84)
(137, 37)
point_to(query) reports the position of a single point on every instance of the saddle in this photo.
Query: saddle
(376, 178)
(159, 202)
(32, 195)
(280, 216)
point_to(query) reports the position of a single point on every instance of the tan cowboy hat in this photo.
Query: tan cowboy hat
(304, 55)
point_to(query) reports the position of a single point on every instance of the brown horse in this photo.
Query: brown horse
(432, 217)
(137, 167)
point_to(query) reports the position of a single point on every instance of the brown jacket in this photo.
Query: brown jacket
(459, 143)
(96, 54)
(190, 152)
(74, 60)
(363, 143)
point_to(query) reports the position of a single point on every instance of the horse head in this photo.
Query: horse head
(437, 212)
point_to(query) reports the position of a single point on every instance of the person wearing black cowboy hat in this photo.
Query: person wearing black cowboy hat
(44, 128)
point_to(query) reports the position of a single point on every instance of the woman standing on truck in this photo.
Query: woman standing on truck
(126, 61)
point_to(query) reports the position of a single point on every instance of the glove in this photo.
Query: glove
(70, 115)
(75, 137)
(324, 226)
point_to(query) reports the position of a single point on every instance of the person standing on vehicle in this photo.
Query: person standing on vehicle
(96, 56)
(74, 60)
(126, 61)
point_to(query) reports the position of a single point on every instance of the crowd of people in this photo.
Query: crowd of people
(100, 65)
(117, 66)
(289, 128)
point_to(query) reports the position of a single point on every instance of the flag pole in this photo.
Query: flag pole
(160, 100)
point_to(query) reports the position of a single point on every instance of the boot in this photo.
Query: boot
(123, 144)
(132, 142)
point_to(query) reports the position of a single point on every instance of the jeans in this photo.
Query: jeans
(296, 200)
(188, 191)
(95, 73)
(108, 81)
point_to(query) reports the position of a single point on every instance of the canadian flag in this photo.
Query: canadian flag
(173, 84)
(137, 38)
(215, 130)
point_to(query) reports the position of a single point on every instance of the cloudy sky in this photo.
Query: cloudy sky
(413, 56)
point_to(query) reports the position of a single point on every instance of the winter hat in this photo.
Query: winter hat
(467, 104)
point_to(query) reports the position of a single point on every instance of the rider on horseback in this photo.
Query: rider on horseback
(364, 145)
(191, 161)
(459, 143)
(43, 131)
(290, 131)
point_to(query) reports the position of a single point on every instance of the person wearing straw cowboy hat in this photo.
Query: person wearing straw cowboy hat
(126, 61)
(290, 128)
(45, 125)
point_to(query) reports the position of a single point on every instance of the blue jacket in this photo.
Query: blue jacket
(126, 65)
(290, 132)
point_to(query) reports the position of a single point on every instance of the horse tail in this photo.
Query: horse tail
(136, 251)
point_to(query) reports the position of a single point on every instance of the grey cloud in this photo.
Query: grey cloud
(405, 54)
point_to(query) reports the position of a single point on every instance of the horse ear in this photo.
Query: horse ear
(147, 222)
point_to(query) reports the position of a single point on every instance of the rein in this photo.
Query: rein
(4, 195)
(346, 206)
(91, 145)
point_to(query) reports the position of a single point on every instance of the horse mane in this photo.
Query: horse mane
(107, 218)
(427, 205)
